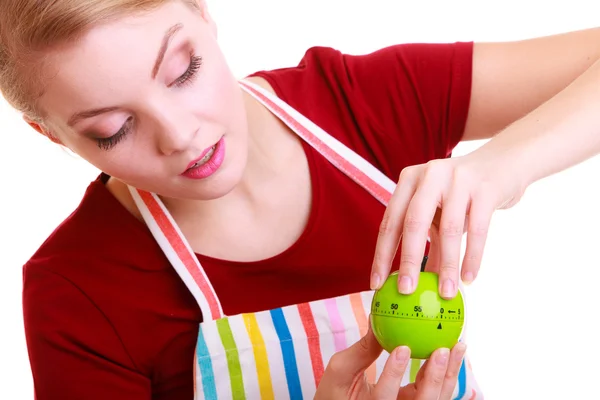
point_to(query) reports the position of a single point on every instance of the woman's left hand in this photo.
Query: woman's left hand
(443, 199)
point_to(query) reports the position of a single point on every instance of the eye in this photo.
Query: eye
(110, 142)
(190, 72)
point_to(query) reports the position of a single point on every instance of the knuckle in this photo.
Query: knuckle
(451, 229)
(363, 344)
(438, 170)
(472, 257)
(381, 260)
(461, 175)
(410, 260)
(408, 173)
(478, 229)
(404, 174)
(336, 364)
(434, 166)
(390, 373)
(413, 224)
(451, 375)
(388, 225)
(436, 379)
(448, 268)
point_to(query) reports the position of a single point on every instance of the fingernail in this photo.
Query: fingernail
(401, 354)
(442, 358)
(460, 348)
(468, 278)
(405, 285)
(448, 288)
(375, 281)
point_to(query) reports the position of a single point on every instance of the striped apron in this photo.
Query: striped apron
(280, 353)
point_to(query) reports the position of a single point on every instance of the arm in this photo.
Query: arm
(511, 79)
(73, 350)
(563, 131)
(542, 96)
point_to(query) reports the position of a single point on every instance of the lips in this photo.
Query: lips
(202, 159)
(207, 163)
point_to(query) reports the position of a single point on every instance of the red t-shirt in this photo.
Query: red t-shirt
(107, 317)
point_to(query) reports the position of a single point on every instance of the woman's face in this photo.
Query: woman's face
(145, 97)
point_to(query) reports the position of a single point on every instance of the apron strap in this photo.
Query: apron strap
(177, 249)
(345, 159)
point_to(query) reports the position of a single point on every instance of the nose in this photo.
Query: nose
(175, 128)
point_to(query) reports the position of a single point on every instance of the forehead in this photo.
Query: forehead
(109, 59)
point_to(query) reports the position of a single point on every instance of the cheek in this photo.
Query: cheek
(217, 94)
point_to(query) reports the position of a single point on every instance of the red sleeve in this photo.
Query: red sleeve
(427, 86)
(73, 350)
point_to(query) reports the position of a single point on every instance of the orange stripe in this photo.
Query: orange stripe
(194, 372)
(362, 321)
(378, 191)
(184, 255)
(314, 343)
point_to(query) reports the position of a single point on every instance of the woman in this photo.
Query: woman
(210, 205)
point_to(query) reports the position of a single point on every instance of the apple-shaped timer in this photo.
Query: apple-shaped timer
(424, 321)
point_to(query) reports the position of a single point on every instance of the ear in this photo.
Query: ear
(203, 7)
(33, 124)
(41, 129)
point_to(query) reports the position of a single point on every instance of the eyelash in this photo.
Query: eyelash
(110, 142)
(190, 73)
(185, 78)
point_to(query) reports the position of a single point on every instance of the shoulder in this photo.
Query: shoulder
(99, 229)
(329, 69)
(98, 281)
(400, 105)
(95, 251)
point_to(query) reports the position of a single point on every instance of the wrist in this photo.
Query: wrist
(511, 168)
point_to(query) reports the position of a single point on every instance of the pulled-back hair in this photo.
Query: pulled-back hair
(29, 28)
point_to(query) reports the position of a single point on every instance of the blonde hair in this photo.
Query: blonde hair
(28, 28)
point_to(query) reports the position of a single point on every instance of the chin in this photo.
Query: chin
(213, 188)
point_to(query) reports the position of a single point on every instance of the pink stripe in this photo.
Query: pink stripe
(182, 252)
(378, 191)
(337, 325)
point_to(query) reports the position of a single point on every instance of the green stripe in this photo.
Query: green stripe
(415, 366)
(233, 359)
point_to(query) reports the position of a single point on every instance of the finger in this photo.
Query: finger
(390, 229)
(417, 221)
(408, 392)
(347, 364)
(480, 215)
(430, 385)
(452, 226)
(433, 257)
(390, 380)
(456, 358)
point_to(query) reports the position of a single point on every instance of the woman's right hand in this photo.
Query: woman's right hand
(345, 379)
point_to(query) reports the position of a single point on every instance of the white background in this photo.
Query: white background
(534, 309)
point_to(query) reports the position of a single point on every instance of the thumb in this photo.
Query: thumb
(357, 358)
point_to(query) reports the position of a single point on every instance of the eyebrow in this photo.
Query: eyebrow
(159, 59)
(164, 46)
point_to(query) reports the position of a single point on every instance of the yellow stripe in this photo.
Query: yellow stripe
(260, 356)
(415, 366)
